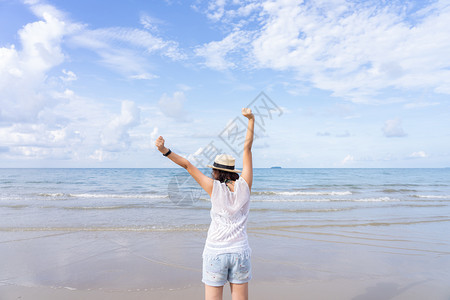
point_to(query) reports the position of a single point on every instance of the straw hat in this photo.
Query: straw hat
(224, 162)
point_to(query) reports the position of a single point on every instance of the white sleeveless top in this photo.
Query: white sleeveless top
(229, 212)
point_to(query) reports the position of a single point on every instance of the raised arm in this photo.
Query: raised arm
(204, 181)
(247, 168)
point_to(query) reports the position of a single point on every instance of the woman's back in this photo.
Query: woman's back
(229, 213)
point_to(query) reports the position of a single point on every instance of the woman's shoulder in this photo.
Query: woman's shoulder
(241, 181)
(218, 186)
(217, 182)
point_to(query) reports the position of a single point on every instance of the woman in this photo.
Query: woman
(226, 256)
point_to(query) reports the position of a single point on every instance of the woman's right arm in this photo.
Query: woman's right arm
(247, 168)
(204, 181)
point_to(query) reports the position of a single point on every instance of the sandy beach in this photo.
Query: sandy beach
(336, 289)
(167, 265)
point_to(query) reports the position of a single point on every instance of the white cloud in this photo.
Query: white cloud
(40, 117)
(114, 136)
(70, 76)
(144, 76)
(216, 9)
(124, 62)
(103, 37)
(184, 87)
(173, 107)
(150, 23)
(31, 122)
(23, 73)
(418, 154)
(420, 104)
(101, 155)
(227, 11)
(40, 141)
(216, 53)
(154, 134)
(355, 49)
(41, 9)
(122, 49)
(348, 159)
(393, 128)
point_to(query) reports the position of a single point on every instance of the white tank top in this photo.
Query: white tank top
(229, 212)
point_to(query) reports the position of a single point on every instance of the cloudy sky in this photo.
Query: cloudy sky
(349, 83)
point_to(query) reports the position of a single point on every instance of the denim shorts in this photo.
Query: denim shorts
(232, 267)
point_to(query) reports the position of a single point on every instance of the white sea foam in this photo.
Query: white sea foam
(324, 193)
(155, 228)
(290, 200)
(433, 196)
(89, 195)
(52, 194)
(143, 196)
(102, 207)
(379, 199)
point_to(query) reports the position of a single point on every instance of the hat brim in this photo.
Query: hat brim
(226, 170)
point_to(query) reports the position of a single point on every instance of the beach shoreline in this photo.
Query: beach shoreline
(337, 289)
(167, 265)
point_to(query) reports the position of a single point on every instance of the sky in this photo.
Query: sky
(334, 83)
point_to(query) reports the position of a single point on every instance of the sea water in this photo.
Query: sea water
(404, 203)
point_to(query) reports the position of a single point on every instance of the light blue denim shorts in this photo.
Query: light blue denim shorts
(232, 267)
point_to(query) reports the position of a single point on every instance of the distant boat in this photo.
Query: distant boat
(276, 167)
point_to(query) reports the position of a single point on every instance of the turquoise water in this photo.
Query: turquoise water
(162, 199)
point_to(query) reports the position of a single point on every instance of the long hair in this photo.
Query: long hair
(223, 175)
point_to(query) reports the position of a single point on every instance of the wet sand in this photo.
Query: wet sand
(337, 289)
(167, 265)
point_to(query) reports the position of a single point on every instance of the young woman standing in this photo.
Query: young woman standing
(226, 256)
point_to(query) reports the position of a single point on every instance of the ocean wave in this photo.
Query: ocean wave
(326, 210)
(113, 207)
(290, 200)
(324, 193)
(388, 191)
(89, 195)
(432, 196)
(356, 223)
(421, 205)
(14, 206)
(52, 195)
(379, 199)
(143, 196)
(123, 228)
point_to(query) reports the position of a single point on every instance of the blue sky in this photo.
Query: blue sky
(352, 83)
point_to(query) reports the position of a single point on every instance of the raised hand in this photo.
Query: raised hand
(159, 143)
(247, 112)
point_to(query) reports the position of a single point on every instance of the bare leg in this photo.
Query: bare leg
(239, 291)
(213, 292)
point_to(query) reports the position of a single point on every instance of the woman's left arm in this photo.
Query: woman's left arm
(204, 181)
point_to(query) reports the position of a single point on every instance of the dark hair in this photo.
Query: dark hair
(223, 175)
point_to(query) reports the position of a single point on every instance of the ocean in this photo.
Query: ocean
(168, 199)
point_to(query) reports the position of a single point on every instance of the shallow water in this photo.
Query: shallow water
(168, 199)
